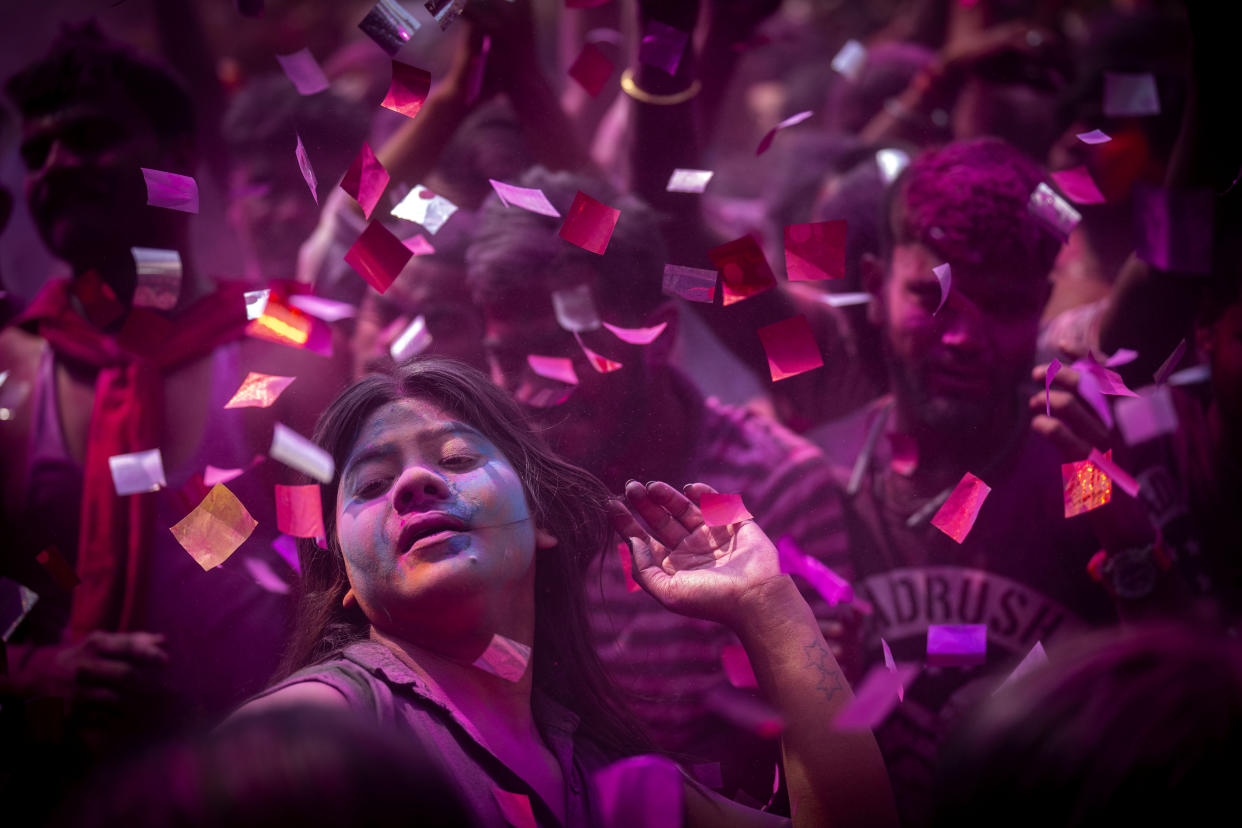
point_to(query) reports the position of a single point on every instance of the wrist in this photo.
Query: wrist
(1132, 572)
(765, 607)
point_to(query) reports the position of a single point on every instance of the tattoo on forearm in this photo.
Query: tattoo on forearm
(820, 661)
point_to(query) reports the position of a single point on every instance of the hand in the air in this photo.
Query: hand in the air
(103, 669)
(691, 568)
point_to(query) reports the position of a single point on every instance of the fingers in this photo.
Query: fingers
(653, 506)
(1073, 427)
(678, 505)
(136, 646)
(646, 568)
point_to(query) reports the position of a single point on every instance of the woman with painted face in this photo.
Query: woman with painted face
(449, 605)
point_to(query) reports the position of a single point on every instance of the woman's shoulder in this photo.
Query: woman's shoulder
(340, 682)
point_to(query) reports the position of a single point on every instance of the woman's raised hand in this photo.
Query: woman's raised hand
(689, 567)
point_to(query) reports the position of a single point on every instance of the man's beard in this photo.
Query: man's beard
(945, 414)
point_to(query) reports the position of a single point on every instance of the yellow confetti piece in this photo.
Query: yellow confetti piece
(216, 527)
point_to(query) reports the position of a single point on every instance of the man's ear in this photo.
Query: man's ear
(349, 601)
(544, 539)
(872, 270)
(660, 351)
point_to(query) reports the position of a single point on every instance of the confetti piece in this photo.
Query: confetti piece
(408, 89)
(16, 601)
(1032, 661)
(640, 790)
(365, 180)
(662, 46)
(515, 808)
(891, 162)
(1095, 136)
(1122, 356)
(1174, 228)
(903, 453)
(304, 72)
(299, 512)
(215, 529)
(298, 453)
(743, 269)
(591, 69)
(723, 509)
(256, 303)
(744, 711)
(957, 516)
(1107, 381)
(637, 336)
(599, 362)
(504, 657)
(445, 11)
(1089, 391)
(693, 284)
(159, 277)
(553, 368)
(413, 340)
(424, 207)
(142, 471)
(1170, 363)
(287, 548)
(12, 395)
(845, 300)
(1084, 487)
(627, 567)
(389, 25)
(956, 645)
(304, 166)
(418, 245)
(378, 256)
(263, 575)
(688, 181)
(944, 275)
(834, 589)
(527, 198)
(283, 324)
(329, 310)
(575, 309)
(1105, 464)
(875, 698)
(815, 251)
(792, 120)
(1130, 95)
(213, 475)
(258, 391)
(1193, 375)
(59, 568)
(589, 223)
(850, 60)
(790, 347)
(1050, 372)
(1054, 212)
(737, 666)
(1078, 185)
(170, 190)
(891, 666)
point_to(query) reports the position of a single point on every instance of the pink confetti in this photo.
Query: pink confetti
(263, 575)
(1084, 487)
(505, 658)
(329, 310)
(299, 511)
(956, 645)
(957, 516)
(515, 808)
(591, 69)
(365, 180)
(627, 567)
(170, 190)
(418, 245)
(694, 284)
(258, 391)
(1122, 356)
(851, 59)
(409, 88)
(1130, 95)
(640, 790)
(1170, 364)
(1119, 476)
(944, 275)
(304, 71)
(560, 369)
(792, 120)
(1078, 185)
(815, 251)
(1032, 661)
(599, 362)
(904, 453)
(1147, 416)
(1051, 372)
(589, 223)
(877, 695)
(213, 475)
(790, 347)
(891, 666)
(745, 711)
(688, 181)
(637, 336)
(378, 256)
(662, 46)
(834, 589)
(1106, 379)
(304, 165)
(737, 666)
(527, 198)
(743, 269)
(723, 509)
(1095, 136)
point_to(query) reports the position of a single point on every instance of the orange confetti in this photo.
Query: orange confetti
(1085, 487)
(258, 391)
(215, 529)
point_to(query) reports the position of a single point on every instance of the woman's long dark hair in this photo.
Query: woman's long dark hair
(564, 499)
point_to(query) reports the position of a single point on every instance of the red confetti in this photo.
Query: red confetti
(743, 270)
(591, 69)
(378, 256)
(957, 516)
(815, 251)
(790, 347)
(409, 88)
(589, 223)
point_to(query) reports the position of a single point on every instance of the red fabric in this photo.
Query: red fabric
(116, 535)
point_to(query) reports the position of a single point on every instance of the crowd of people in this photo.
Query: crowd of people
(622, 412)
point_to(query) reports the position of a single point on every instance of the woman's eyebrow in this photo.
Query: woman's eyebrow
(367, 454)
(449, 429)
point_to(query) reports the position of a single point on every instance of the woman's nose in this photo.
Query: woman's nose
(418, 489)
